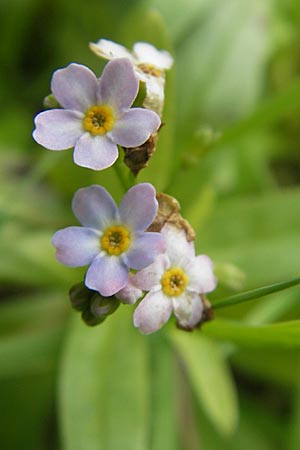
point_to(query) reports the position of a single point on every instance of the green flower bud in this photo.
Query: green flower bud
(80, 296)
(90, 319)
(50, 102)
(103, 306)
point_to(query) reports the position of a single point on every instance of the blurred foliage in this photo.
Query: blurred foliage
(229, 151)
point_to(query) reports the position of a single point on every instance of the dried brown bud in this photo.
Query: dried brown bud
(168, 212)
(137, 158)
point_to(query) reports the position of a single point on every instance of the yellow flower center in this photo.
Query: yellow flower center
(174, 281)
(99, 120)
(150, 69)
(115, 240)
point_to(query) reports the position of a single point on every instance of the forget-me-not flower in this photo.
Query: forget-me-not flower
(112, 240)
(175, 281)
(96, 114)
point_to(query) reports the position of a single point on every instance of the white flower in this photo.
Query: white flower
(150, 66)
(174, 282)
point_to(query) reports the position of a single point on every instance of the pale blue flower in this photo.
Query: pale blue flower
(112, 240)
(96, 114)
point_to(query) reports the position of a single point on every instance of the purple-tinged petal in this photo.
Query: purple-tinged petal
(107, 275)
(178, 248)
(149, 278)
(188, 309)
(95, 152)
(153, 312)
(58, 129)
(130, 293)
(110, 50)
(94, 207)
(76, 246)
(144, 250)
(75, 87)
(118, 85)
(134, 127)
(139, 206)
(201, 275)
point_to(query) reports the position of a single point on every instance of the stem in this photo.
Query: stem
(126, 179)
(120, 175)
(255, 293)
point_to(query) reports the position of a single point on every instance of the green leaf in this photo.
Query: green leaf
(38, 311)
(259, 234)
(163, 423)
(280, 335)
(29, 353)
(103, 386)
(254, 294)
(29, 258)
(210, 378)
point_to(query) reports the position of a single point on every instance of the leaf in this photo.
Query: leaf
(103, 386)
(259, 234)
(163, 423)
(29, 353)
(210, 378)
(284, 335)
(254, 294)
(29, 258)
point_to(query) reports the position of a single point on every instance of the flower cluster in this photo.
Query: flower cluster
(142, 251)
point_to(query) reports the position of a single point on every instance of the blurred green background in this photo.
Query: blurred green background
(229, 152)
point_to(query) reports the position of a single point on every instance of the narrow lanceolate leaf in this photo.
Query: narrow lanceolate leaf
(279, 335)
(210, 378)
(103, 386)
(255, 293)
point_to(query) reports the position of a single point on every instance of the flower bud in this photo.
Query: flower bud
(94, 307)
(80, 296)
(103, 306)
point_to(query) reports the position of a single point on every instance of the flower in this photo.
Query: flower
(150, 65)
(130, 293)
(174, 282)
(112, 240)
(96, 114)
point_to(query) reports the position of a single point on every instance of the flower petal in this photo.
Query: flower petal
(58, 129)
(94, 207)
(95, 152)
(144, 250)
(149, 278)
(153, 312)
(188, 309)
(76, 246)
(139, 206)
(155, 88)
(134, 127)
(178, 248)
(147, 53)
(110, 50)
(107, 275)
(75, 87)
(118, 85)
(201, 275)
(130, 293)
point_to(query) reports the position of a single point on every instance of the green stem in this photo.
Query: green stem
(127, 180)
(255, 293)
(120, 175)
